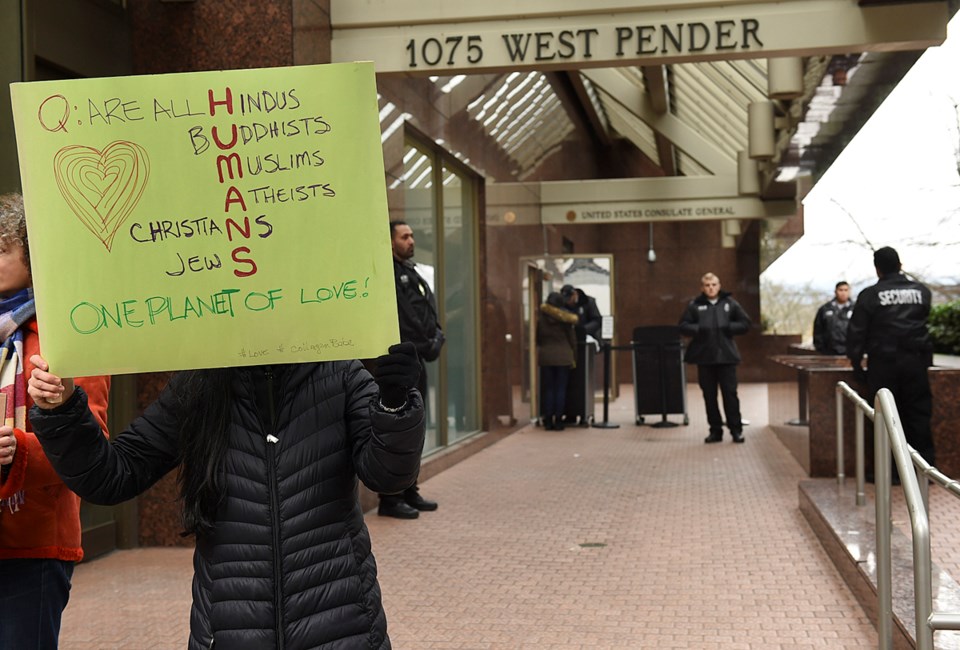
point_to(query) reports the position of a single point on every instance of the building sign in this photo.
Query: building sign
(422, 37)
(582, 44)
(675, 210)
(208, 219)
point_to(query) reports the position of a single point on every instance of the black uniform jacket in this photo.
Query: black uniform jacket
(890, 318)
(417, 311)
(588, 314)
(712, 328)
(830, 327)
(289, 563)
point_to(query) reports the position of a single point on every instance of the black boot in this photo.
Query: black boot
(414, 500)
(394, 506)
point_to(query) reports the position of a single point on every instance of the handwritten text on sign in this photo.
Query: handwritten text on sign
(207, 215)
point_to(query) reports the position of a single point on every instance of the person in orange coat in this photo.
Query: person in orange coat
(39, 515)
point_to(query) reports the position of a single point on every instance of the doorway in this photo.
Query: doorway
(594, 276)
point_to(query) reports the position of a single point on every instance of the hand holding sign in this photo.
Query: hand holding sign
(47, 390)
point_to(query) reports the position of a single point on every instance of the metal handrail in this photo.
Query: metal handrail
(889, 438)
(863, 410)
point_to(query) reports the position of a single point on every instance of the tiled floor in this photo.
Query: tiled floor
(584, 539)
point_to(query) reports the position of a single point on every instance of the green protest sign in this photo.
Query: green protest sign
(207, 219)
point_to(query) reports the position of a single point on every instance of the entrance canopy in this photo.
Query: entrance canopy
(739, 97)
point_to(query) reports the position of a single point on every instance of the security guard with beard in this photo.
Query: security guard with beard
(889, 325)
(420, 325)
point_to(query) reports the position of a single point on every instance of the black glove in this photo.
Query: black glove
(396, 373)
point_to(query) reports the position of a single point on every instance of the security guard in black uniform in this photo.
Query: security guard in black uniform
(419, 324)
(713, 318)
(889, 325)
(830, 325)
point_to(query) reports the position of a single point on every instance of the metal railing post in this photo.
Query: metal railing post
(840, 467)
(861, 471)
(881, 474)
(920, 525)
(924, 488)
(916, 475)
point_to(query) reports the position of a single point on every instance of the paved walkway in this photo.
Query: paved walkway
(583, 539)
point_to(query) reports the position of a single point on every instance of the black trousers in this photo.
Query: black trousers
(905, 375)
(724, 377)
(422, 387)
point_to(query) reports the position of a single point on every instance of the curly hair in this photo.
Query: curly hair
(13, 225)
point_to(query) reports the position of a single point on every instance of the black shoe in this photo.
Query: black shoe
(398, 509)
(737, 437)
(548, 424)
(417, 502)
(713, 437)
(558, 424)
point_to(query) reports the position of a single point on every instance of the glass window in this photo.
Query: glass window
(419, 201)
(458, 304)
(439, 198)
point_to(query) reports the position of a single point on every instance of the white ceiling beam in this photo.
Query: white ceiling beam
(443, 38)
(631, 97)
(623, 122)
(468, 90)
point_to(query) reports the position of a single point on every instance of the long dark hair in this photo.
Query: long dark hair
(204, 398)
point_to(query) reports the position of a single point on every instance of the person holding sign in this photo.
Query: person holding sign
(419, 324)
(268, 460)
(39, 516)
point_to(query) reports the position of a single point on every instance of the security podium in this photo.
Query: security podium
(659, 377)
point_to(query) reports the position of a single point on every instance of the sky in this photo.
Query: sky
(899, 181)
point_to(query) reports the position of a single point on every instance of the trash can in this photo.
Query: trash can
(659, 376)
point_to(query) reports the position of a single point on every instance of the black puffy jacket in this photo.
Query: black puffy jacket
(289, 563)
(890, 318)
(712, 328)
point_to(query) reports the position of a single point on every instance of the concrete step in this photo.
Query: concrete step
(848, 535)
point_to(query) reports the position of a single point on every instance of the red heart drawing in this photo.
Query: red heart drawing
(102, 187)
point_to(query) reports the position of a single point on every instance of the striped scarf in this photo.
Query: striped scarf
(14, 312)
